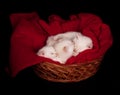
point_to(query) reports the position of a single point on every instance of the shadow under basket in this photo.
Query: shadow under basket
(66, 73)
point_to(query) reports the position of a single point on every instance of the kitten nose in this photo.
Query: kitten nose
(90, 46)
(57, 54)
(42, 53)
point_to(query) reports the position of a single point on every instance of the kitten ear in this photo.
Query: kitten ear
(78, 35)
(51, 38)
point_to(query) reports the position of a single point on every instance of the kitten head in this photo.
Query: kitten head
(47, 51)
(82, 43)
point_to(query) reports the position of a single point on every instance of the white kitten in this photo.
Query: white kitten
(48, 52)
(82, 43)
(64, 49)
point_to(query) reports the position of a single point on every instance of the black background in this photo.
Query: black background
(105, 80)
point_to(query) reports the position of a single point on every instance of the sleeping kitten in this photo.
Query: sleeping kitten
(64, 49)
(81, 43)
(48, 52)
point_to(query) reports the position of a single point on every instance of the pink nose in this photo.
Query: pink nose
(89, 46)
(42, 53)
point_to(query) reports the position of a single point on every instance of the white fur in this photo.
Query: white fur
(51, 40)
(68, 35)
(64, 49)
(82, 43)
(48, 52)
(62, 46)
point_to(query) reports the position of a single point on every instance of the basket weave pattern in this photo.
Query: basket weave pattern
(66, 73)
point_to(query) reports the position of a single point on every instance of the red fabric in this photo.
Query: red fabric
(30, 33)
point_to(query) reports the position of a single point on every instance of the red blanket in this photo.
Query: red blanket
(30, 33)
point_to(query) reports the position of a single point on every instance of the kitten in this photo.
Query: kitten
(81, 43)
(64, 49)
(48, 52)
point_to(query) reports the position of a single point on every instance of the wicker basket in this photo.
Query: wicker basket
(67, 73)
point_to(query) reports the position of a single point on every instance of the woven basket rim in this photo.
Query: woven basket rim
(66, 73)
